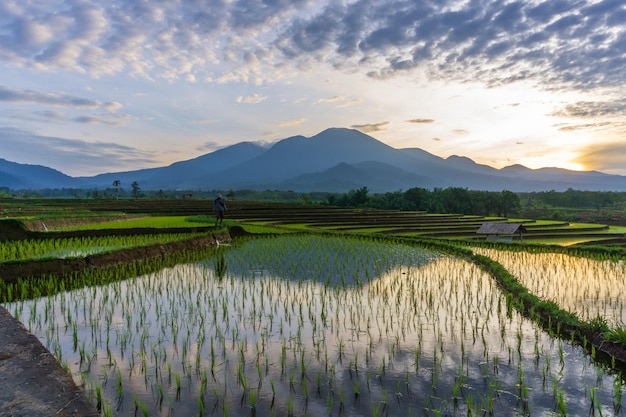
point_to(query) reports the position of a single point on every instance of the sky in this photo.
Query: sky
(92, 86)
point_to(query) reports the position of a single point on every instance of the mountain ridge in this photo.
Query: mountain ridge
(334, 160)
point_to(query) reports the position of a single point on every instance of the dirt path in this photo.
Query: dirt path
(32, 382)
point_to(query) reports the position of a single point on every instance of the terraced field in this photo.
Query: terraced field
(188, 226)
(54, 216)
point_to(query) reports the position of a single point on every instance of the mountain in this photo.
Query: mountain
(342, 177)
(188, 174)
(24, 176)
(335, 160)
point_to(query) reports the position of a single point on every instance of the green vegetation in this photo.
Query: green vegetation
(296, 296)
(157, 222)
(333, 323)
(81, 246)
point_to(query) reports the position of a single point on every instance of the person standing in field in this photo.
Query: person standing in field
(219, 207)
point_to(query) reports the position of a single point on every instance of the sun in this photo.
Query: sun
(554, 159)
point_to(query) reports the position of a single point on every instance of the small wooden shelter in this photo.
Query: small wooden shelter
(501, 231)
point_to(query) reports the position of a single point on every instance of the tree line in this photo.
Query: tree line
(575, 199)
(438, 200)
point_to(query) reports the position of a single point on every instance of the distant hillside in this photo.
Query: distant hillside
(199, 172)
(23, 176)
(335, 160)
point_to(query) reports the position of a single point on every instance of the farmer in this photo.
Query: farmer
(219, 206)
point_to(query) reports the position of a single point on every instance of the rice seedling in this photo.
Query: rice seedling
(295, 311)
(81, 246)
(586, 287)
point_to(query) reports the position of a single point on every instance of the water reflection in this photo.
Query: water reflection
(318, 327)
(585, 287)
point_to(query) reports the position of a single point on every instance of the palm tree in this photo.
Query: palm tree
(116, 184)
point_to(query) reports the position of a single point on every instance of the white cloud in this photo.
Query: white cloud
(251, 99)
(578, 43)
(290, 123)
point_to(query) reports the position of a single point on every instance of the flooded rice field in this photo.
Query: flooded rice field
(319, 326)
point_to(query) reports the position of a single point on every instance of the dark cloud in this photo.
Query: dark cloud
(45, 116)
(247, 13)
(421, 121)
(10, 95)
(95, 120)
(496, 42)
(371, 127)
(70, 155)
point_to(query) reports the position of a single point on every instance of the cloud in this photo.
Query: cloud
(493, 42)
(70, 155)
(342, 101)
(251, 99)
(348, 103)
(9, 95)
(208, 146)
(51, 116)
(106, 119)
(290, 123)
(586, 126)
(45, 116)
(554, 42)
(331, 99)
(591, 109)
(372, 127)
(205, 121)
(112, 106)
(605, 157)
(33, 97)
(420, 121)
(108, 114)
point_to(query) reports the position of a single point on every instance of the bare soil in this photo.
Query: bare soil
(32, 382)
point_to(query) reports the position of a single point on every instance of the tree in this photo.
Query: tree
(136, 192)
(358, 198)
(509, 203)
(116, 184)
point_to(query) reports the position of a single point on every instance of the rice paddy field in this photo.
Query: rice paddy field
(310, 325)
(322, 313)
(589, 288)
(79, 247)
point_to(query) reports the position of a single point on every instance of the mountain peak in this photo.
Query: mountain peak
(332, 160)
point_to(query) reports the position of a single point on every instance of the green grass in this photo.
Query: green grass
(82, 246)
(564, 241)
(585, 225)
(152, 221)
(261, 228)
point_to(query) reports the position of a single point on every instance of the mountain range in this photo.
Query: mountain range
(335, 160)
